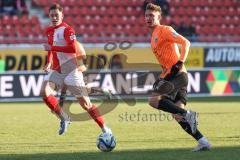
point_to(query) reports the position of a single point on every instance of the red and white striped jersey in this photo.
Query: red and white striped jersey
(62, 38)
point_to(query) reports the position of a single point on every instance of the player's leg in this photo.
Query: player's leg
(103, 91)
(91, 90)
(77, 87)
(47, 93)
(203, 143)
(93, 111)
(181, 101)
(166, 103)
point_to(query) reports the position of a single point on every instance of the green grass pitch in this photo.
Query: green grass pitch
(29, 131)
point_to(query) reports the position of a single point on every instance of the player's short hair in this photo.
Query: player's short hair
(56, 6)
(153, 7)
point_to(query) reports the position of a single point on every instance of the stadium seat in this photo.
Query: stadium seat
(195, 3)
(6, 20)
(185, 3)
(34, 20)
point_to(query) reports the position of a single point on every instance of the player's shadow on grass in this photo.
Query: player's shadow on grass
(218, 153)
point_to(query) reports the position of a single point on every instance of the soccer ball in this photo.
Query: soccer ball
(106, 142)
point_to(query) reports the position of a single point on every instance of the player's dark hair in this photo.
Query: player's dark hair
(153, 7)
(56, 6)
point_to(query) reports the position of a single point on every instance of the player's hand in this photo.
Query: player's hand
(47, 68)
(176, 67)
(47, 47)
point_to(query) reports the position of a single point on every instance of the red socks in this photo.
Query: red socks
(94, 113)
(52, 103)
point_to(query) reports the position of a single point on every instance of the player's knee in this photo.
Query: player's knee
(180, 104)
(153, 101)
(43, 91)
(85, 104)
(46, 89)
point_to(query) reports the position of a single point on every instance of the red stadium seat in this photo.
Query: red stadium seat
(180, 11)
(6, 20)
(75, 11)
(34, 20)
(215, 30)
(89, 3)
(120, 11)
(117, 3)
(236, 20)
(110, 11)
(190, 11)
(227, 3)
(175, 3)
(219, 20)
(195, 3)
(231, 11)
(185, 3)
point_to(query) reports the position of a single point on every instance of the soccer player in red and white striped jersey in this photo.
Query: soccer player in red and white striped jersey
(64, 70)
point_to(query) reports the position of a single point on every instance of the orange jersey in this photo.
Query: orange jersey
(164, 45)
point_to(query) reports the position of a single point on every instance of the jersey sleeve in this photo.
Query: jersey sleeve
(70, 38)
(172, 36)
(69, 35)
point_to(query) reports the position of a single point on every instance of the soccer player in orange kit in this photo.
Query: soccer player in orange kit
(164, 46)
(65, 71)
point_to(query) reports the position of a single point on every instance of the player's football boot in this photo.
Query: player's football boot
(202, 147)
(106, 129)
(191, 118)
(63, 126)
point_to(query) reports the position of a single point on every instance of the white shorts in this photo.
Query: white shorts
(73, 80)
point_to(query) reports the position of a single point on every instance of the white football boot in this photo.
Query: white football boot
(191, 118)
(203, 145)
(106, 129)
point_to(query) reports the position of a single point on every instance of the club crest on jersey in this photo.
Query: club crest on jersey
(72, 37)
